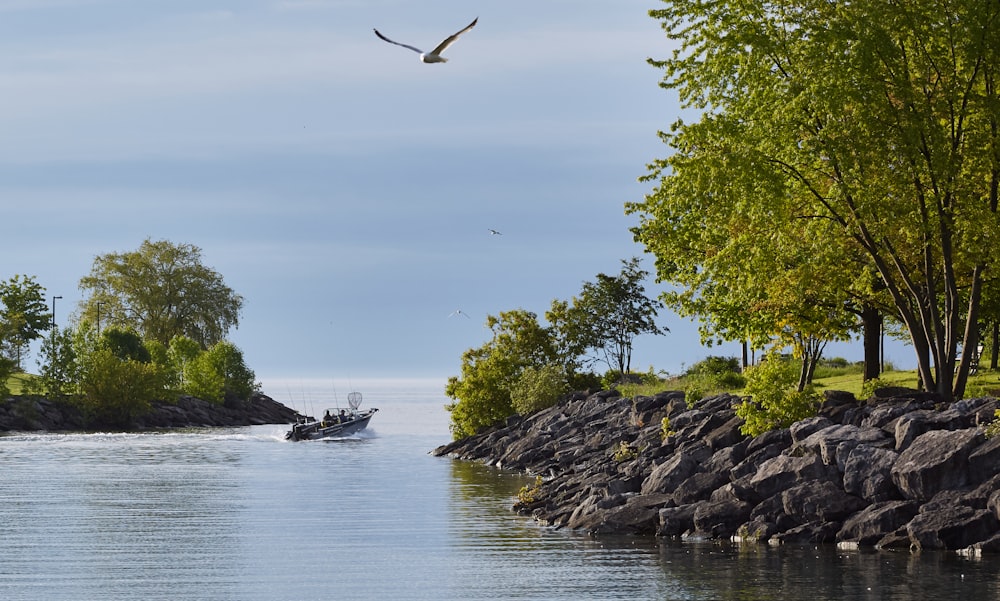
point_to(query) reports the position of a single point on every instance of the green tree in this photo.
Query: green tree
(607, 316)
(181, 352)
(539, 388)
(203, 380)
(115, 391)
(24, 315)
(482, 393)
(58, 371)
(880, 119)
(238, 380)
(125, 344)
(162, 290)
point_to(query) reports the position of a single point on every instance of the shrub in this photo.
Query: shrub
(538, 388)
(772, 399)
(712, 375)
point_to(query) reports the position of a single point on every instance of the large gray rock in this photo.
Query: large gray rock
(785, 471)
(835, 443)
(875, 522)
(868, 474)
(819, 501)
(668, 475)
(951, 528)
(720, 519)
(936, 461)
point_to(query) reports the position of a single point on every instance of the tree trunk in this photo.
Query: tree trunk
(994, 339)
(871, 334)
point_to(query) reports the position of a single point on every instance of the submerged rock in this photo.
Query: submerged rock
(892, 472)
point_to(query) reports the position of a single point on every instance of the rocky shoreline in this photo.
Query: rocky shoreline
(899, 470)
(24, 413)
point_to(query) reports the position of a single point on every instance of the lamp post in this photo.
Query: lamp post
(54, 310)
(99, 303)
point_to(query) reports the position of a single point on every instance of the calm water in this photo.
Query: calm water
(243, 515)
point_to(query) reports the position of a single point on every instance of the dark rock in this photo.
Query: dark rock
(784, 471)
(868, 474)
(935, 461)
(675, 521)
(803, 429)
(984, 461)
(952, 528)
(668, 475)
(874, 523)
(699, 487)
(821, 501)
(835, 443)
(720, 519)
(833, 477)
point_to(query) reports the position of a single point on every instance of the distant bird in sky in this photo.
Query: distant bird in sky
(457, 312)
(434, 56)
(495, 233)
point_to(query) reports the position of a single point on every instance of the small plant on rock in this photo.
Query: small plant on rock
(993, 428)
(530, 493)
(625, 452)
(665, 430)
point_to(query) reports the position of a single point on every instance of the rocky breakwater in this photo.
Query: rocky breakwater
(40, 414)
(897, 471)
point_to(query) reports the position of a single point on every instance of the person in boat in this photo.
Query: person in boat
(342, 416)
(327, 418)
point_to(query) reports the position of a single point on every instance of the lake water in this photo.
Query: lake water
(242, 515)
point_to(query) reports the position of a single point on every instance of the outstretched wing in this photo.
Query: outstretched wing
(382, 37)
(450, 39)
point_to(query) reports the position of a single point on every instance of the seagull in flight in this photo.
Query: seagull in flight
(459, 312)
(434, 56)
(493, 232)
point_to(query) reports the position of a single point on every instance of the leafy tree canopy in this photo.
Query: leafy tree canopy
(163, 290)
(24, 315)
(864, 133)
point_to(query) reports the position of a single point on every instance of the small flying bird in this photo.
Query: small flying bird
(495, 233)
(459, 312)
(434, 56)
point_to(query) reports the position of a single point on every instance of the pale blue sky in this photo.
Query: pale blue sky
(342, 187)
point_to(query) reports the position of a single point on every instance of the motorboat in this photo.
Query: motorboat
(335, 423)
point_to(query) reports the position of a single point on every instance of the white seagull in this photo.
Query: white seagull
(493, 232)
(434, 56)
(459, 312)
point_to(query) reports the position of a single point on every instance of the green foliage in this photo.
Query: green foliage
(238, 380)
(538, 388)
(625, 452)
(204, 381)
(712, 375)
(163, 290)
(57, 365)
(665, 430)
(125, 344)
(993, 428)
(773, 401)
(7, 369)
(833, 139)
(530, 493)
(483, 392)
(115, 391)
(608, 315)
(869, 387)
(24, 315)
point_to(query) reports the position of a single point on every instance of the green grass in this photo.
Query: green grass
(16, 382)
(849, 379)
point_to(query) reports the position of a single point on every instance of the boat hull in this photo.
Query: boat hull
(318, 430)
